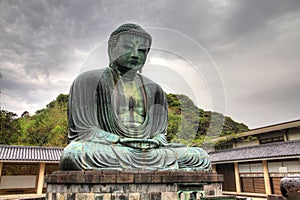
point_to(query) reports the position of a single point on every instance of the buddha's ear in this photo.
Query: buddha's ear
(148, 50)
(112, 53)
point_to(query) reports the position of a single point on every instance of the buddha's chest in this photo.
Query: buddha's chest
(129, 102)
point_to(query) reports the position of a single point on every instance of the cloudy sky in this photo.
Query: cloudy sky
(240, 58)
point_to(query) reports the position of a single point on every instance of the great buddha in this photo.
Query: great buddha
(118, 118)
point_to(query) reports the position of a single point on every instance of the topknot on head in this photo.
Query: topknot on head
(131, 29)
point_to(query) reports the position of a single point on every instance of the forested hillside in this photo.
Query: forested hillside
(48, 127)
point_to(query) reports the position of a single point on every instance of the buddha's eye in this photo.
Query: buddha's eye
(127, 47)
(142, 50)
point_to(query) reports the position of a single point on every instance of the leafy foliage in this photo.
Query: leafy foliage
(48, 127)
(190, 125)
(9, 127)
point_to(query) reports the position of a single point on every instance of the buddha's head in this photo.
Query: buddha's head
(128, 47)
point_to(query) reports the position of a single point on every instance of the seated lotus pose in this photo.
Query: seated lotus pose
(118, 118)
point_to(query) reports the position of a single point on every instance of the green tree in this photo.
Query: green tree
(187, 124)
(48, 127)
(9, 127)
(191, 125)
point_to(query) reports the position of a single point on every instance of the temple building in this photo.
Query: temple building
(22, 168)
(253, 162)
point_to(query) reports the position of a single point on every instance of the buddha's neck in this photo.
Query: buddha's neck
(124, 73)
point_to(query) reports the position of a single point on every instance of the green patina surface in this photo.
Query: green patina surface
(118, 118)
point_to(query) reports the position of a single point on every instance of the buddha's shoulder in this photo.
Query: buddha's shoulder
(150, 83)
(90, 74)
(88, 79)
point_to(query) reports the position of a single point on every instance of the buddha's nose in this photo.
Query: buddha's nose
(135, 53)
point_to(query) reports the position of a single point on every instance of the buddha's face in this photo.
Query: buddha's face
(131, 51)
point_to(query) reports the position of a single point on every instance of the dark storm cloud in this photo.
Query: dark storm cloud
(44, 42)
(248, 17)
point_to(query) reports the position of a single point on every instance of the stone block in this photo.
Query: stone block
(168, 195)
(75, 177)
(162, 172)
(48, 178)
(213, 189)
(90, 196)
(102, 196)
(155, 196)
(61, 188)
(50, 188)
(105, 178)
(106, 196)
(170, 188)
(187, 195)
(96, 189)
(134, 187)
(98, 196)
(156, 179)
(211, 177)
(71, 196)
(60, 178)
(74, 188)
(200, 194)
(49, 196)
(134, 196)
(92, 177)
(84, 188)
(107, 188)
(110, 172)
(119, 196)
(143, 178)
(125, 178)
(128, 185)
(166, 178)
(60, 196)
(81, 196)
(183, 179)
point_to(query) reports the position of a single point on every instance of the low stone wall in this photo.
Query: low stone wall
(116, 185)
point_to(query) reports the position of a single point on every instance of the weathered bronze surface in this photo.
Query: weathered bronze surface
(118, 118)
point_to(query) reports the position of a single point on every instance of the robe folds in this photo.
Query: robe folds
(95, 131)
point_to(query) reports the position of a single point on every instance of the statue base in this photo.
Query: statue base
(141, 185)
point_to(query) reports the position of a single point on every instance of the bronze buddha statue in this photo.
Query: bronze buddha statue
(118, 118)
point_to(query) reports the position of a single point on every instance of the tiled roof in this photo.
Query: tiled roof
(263, 151)
(266, 129)
(29, 153)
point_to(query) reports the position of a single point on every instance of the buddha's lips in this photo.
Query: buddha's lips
(134, 62)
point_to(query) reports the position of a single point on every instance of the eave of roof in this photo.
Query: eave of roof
(30, 153)
(266, 129)
(258, 152)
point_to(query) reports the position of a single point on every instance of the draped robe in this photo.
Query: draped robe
(95, 130)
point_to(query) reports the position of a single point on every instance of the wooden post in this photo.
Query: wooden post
(237, 177)
(1, 166)
(40, 178)
(266, 177)
(214, 167)
(234, 145)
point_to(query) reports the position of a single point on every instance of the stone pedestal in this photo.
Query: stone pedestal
(116, 185)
